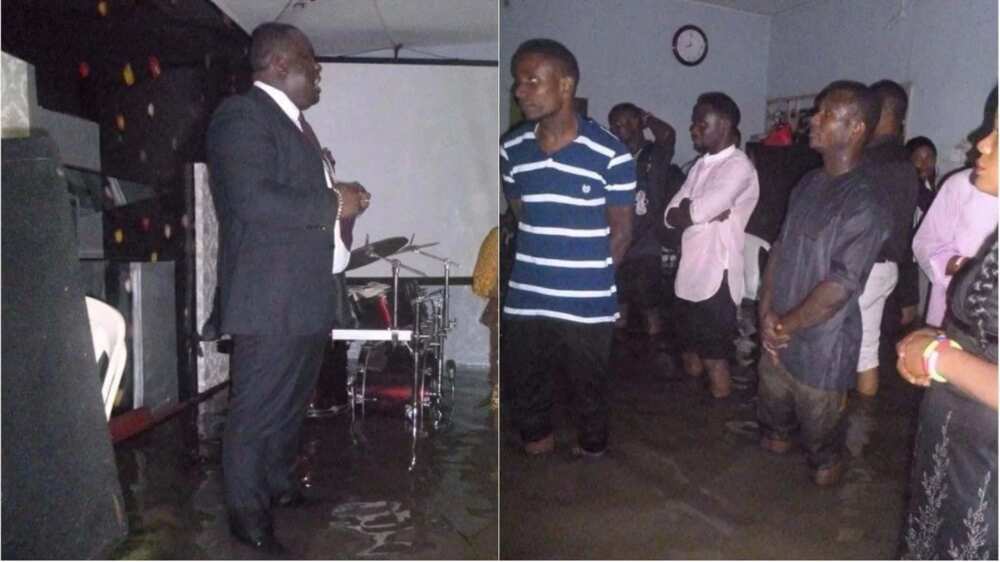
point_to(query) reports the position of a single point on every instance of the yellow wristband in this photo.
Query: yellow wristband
(931, 355)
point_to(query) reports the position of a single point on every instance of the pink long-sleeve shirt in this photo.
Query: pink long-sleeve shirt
(958, 221)
(717, 182)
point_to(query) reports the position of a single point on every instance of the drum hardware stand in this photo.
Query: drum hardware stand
(426, 342)
(396, 266)
(445, 324)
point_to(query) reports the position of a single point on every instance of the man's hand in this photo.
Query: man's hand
(355, 199)
(954, 264)
(680, 216)
(773, 335)
(910, 356)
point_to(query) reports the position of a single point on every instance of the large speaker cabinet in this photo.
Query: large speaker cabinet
(60, 492)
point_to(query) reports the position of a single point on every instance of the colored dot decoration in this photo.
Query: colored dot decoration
(102, 8)
(154, 257)
(145, 222)
(119, 236)
(120, 122)
(128, 75)
(84, 69)
(167, 231)
(154, 67)
(151, 110)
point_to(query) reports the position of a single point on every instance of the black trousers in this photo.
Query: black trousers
(709, 326)
(785, 403)
(331, 388)
(271, 380)
(532, 350)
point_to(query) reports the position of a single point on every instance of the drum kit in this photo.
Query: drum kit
(402, 322)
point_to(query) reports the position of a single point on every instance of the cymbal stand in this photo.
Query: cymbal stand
(446, 323)
(396, 266)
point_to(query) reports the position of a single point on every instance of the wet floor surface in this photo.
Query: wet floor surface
(685, 478)
(371, 506)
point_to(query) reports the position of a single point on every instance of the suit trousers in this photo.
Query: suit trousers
(533, 349)
(271, 380)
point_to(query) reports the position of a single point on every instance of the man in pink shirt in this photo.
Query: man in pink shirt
(952, 231)
(712, 208)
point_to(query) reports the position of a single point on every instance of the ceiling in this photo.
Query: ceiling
(763, 7)
(363, 27)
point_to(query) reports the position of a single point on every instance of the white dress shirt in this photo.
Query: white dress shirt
(717, 182)
(341, 256)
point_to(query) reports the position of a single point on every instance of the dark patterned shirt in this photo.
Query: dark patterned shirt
(832, 232)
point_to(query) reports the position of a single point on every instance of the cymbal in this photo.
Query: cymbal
(416, 247)
(371, 252)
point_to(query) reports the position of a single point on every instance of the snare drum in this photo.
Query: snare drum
(373, 304)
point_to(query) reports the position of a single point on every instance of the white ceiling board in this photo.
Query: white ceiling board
(358, 27)
(762, 7)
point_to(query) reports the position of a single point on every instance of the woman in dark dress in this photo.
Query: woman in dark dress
(953, 502)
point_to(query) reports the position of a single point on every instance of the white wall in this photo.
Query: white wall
(422, 139)
(624, 51)
(947, 50)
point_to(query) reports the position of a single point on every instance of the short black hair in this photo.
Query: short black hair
(892, 96)
(270, 38)
(865, 101)
(625, 107)
(551, 49)
(917, 142)
(721, 104)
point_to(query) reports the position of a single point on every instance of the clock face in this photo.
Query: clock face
(690, 45)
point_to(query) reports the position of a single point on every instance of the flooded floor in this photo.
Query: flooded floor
(371, 505)
(684, 478)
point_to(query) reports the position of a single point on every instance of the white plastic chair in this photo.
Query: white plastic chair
(107, 326)
(752, 275)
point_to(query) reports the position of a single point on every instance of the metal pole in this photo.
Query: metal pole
(395, 294)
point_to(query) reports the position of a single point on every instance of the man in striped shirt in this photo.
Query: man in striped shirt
(571, 184)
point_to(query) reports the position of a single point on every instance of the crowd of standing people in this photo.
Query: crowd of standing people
(608, 229)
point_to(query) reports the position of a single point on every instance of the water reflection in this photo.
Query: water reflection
(370, 504)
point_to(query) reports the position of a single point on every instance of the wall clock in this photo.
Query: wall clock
(690, 45)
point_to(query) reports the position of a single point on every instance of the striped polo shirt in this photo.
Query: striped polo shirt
(563, 267)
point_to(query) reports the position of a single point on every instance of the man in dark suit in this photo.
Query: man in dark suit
(279, 212)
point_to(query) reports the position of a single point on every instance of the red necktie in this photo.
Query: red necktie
(308, 132)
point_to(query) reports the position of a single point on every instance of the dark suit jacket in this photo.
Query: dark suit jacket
(276, 219)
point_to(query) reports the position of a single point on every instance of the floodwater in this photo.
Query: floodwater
(371, 503)
(684, 478)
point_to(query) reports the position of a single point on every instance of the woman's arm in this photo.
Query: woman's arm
(974, 376)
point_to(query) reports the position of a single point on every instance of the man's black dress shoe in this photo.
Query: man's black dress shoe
(293, 499)
(259, 538)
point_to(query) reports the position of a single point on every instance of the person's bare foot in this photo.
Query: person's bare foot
(692, 364)
(542, 446)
